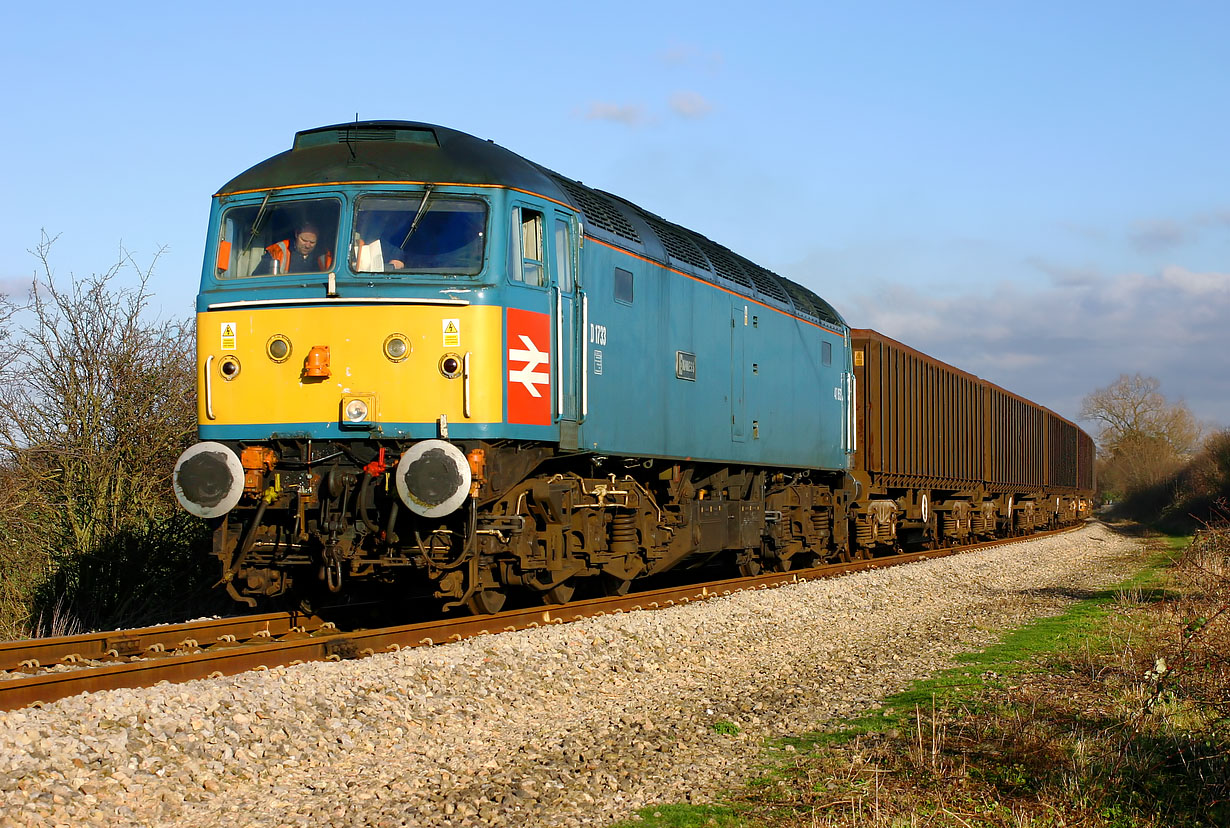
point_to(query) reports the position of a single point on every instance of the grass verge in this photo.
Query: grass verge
(1115, 714)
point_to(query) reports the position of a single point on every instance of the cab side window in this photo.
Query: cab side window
(525, 260)
(563, 256)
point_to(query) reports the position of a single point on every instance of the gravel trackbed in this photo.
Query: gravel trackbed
(578, 724)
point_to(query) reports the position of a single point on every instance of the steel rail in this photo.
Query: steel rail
(330, 644)
(38, 653)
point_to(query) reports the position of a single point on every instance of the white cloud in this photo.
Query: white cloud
(689, 54)
(1056, 344)
(1196, 284)
(1159, 234)
(1066, 275)
(1216, 219)
(15, 287)
(691, 105)
(629, 114)
(683, 104)
(1083, 231)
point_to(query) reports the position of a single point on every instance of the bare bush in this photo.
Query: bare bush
(96, 402)
(1199, 662)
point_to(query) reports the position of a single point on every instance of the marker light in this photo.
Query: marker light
(278, 348)
(450, 366)
(396, 348)
(229, 368)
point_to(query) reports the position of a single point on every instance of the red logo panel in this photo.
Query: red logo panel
(529, 367)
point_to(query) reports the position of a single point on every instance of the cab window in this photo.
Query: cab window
(436, 235)
(274, 238)
(563, 256)
(525, 261)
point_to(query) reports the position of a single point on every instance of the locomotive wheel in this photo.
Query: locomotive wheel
(561, 593)
(781, 565)
(858, 553)
(613, 585)
(486, 601)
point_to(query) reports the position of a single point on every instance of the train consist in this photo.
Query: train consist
(431, 364)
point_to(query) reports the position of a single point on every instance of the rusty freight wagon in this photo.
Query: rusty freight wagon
(943, 454)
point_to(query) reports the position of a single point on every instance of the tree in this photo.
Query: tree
(1133, 407)
(1144, 438)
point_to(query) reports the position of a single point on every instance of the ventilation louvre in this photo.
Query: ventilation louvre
(725, 262)
(767, 282)
(676, 241)
(368, 134)
(597, 211)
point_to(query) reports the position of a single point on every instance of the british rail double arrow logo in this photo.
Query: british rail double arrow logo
(529, 376)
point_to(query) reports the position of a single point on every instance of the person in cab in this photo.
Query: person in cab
(295, 255)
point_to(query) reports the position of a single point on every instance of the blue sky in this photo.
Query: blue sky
(1036, 192)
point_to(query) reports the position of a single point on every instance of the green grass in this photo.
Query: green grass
(686, 816)
(1083, 625)
(801, 770)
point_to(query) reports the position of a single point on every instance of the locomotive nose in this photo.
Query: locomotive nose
(433, 478)
(208, 480)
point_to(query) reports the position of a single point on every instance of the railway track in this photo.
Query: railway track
(44, 670)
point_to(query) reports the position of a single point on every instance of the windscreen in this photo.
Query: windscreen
(274, 238)
(443, 235)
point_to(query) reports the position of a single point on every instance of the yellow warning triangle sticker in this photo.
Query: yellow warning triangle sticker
(451, 327)
(228, 330)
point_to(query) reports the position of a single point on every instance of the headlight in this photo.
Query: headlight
(356, 411)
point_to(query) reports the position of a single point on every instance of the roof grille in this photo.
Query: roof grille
(766, 281)
(802, 298)
(824, 310)
(350, 135)
(597, 210)
(724, 261)
(676, 241)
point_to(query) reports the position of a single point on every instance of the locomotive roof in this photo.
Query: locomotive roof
(400, 151)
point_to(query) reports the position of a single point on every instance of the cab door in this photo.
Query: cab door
(568, 332)
(530, 322)
(543, 348)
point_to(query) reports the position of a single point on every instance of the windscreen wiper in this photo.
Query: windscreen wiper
(259, 222)
(414, 225)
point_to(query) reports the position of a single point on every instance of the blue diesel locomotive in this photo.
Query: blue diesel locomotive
(424, 358)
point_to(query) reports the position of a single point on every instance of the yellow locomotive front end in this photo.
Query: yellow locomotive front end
(324, 371)
(322, 421)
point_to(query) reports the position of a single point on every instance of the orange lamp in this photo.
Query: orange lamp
(316, 364)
